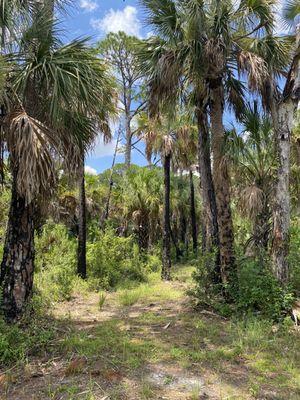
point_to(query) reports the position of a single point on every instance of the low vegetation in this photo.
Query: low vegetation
(178, 278)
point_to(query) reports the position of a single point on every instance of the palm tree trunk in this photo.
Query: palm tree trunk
(210, 229)
(221, 181)
(81, 250)
(166, 256)
(18, 258)
(175, 243)
(193, 214)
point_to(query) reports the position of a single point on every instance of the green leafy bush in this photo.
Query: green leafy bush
(29, 336)
(258, 290)
(55, 262)
(254, 291)
(294, 256)
(113, 259)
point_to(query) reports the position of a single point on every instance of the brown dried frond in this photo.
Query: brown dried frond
(167, 144)
(29, 143)
(251, 201)
(255, 67)
(165, 83)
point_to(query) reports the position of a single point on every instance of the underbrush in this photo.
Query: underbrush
(111, 261)
(254, 291)
(31, 336)
(55, 263)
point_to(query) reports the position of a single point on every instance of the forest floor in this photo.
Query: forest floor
(149, 343)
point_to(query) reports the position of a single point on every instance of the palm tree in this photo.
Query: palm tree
(279, 57)
(159, 137)
(185, 160)
(141, 203)
(50, 88)
(253, 154)
(203, 42)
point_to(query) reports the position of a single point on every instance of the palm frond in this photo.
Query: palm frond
(32, 152)
(163, 16)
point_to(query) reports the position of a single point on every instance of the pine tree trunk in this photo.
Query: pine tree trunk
(18, 258)
(210, 229)
(166, 256)
(221, 181)
(81, 256)
(193, 214)
(128, 146)
(111, 183)
(283, 118)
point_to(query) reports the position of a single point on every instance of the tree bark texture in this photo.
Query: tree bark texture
(283, 114)
(166, 256)
(193, 214)
(210, 229)
(221, 181)
(17, 266)
(81, 250)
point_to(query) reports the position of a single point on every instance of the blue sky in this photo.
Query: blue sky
(96, 18)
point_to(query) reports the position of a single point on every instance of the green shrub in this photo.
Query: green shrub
(55, 262)
(258, 291)
(114, 259)
(29, 336)
(254, 291)
(294, 256)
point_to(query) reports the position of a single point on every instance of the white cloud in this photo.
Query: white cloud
(89, 170)
(103, 150)
(88, 5)
(119, 20)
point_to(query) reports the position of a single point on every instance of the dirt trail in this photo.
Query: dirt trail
(74, 375)
(156, 348)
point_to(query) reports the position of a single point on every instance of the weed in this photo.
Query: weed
(101, 301)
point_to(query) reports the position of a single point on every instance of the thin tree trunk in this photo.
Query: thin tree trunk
(128, 146)
(81, 250)
(18, 258)
(111, 182)
(210, 229)
(166, 259)
(221, 181)
(193, 214)
(174, 240)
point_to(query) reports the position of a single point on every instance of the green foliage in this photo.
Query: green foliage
(129, 297)
(112, 259)
(29, 337)
(55, 262)
(294, 256)
(254, 291)
(258, 291)
(101, 301)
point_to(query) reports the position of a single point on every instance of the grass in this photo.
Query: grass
(239, 359)
(101, 301)
(153, 291)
